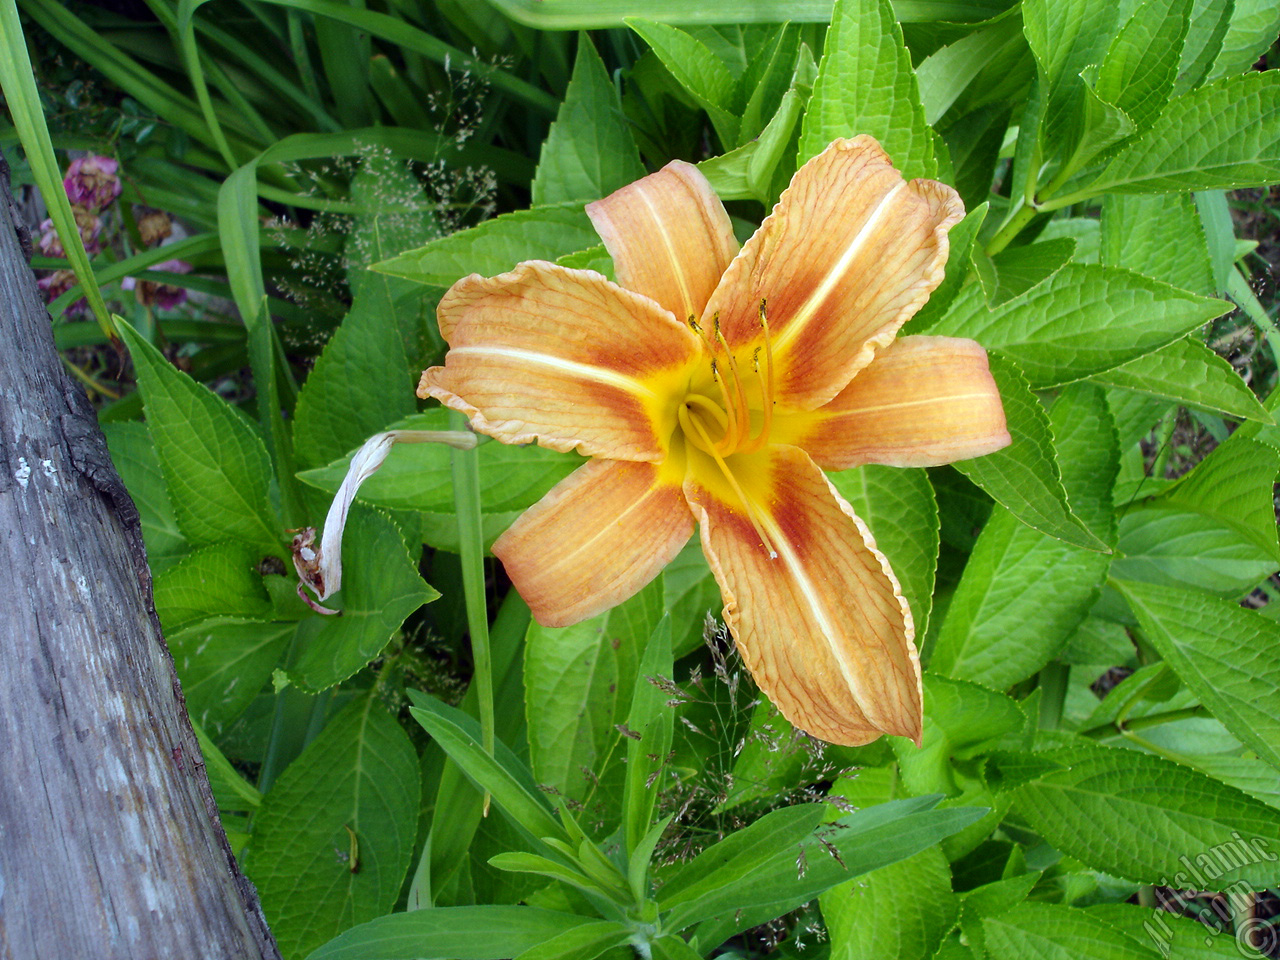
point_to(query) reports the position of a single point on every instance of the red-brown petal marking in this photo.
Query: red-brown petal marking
(564, 358)
(847, 256)
(922, 402)
(669, 237)
(600, 535)
(822, 626)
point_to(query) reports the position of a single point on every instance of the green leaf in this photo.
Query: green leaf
(497, 245)
(959, 266)
(502, 774)
(359, 776)
(1253, 28)
(899, 507)
(650, 722)
(417, 477)
(1023, 593)
(1018, 269)
(690, 594)
(866, 85)
(1081, 321)
(869, 919)
(231, 790)
(1136, 232)
(135, 459)
(1024, 476)
(698, 70)
(1054, 931)
(1141, 64)
(946, 73)
(1220, 137)
(215, 466)
(589, 152)
(578, 683)
(450, 933)
(223, 663)
(1190, 824)
(1065, 37)
(584, 942)
(380, 588)
(218, 579)
(1208, 26)
(1227, 655)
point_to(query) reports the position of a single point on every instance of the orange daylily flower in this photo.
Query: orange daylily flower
(711, 386)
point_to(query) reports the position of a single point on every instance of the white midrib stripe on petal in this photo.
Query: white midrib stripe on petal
(676, 267)
(798, 320)
(582, 371)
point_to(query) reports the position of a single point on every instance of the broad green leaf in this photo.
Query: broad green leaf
(1024, 477)
(866, 85)
(1247, 774)
(223, 663)
(650, 722)
(1175, 937)
(578, 683)
(1081, 321)
(1055, 931)
(221, 579)
(416, 476)
(380, 588)
(584, 942)
(863, 841)
(231, 790)
(768, 77)
(1102, 126)
(960, 238)
(899, 507)
(1018, 269)
(589, 152)
(946, 72)
(215, 466)
(501, 774)
(869, 919)
(1221, 137)
(1253, 28)
(698, 70)
(1138, 234)
(1190, 824)
(1023, 593)
(135, 459)
(1188, 372)
(358, 777)
(1140, 66)
(497, 245)
(1227, 655)
(1066, 36)
(1208, 26)
(450, 933)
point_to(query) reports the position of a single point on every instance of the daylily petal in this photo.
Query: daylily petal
(848, 255)
(922, 402)
(563, 357)
(822, 626)
(669, 237)
(596, 538)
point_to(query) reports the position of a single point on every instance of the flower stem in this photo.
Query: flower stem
(466, 502)
(1012, 227)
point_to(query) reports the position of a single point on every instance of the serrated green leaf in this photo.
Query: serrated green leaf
(1175, 937)
(1253, 29)
(1140, 66)
(868, 919)
(866, 85)
(959, 266)
(702, 74)
(1208, 26)
(450, 933)
(1221, 137)
(578, 683)
(767, 79)
(589, 151)
(1018, 269)
(497, 245)
(1065, 37)
(1081, 321)
(947, 72)
(1227, 655)
(380, 588)
(1024, 476)
(1190, 823)
(223, 663)
(215, 466)
(1137, 233)
(138, 464)
(899, 507)
(1055, 931)
(218, 579)
(1023, 594)
(359, 776)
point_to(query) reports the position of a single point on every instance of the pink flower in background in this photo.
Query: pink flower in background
(163, 295)
(56, 284)
(90, 226)
(92, 181)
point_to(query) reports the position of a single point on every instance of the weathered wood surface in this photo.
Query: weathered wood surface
(110, 843)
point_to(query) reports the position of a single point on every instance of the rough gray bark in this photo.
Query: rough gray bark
(110, 843)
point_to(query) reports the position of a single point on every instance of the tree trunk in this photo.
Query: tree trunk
(110, 843)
